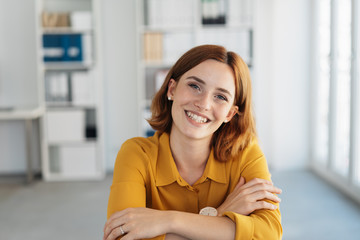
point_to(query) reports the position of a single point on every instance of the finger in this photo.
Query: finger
(256, 181)
(112, 225)
(259, 195)
(115, 216)
(240, 183)
(264, 205)
(260, 185)
(115, 233)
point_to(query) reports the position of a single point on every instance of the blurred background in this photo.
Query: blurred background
(77, 78)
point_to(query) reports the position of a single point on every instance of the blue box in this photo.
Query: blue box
(62, 47)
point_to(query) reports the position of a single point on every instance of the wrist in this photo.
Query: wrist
(220, 211)
(172, 222)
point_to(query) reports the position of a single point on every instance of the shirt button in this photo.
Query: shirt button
(196, 190)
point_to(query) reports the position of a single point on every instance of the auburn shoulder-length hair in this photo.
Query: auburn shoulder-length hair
(230, 138)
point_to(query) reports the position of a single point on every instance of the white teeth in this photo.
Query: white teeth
(196, 118)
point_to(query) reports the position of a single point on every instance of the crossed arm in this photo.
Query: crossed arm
(139, 223)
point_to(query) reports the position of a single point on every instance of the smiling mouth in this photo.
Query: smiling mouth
(196, 118)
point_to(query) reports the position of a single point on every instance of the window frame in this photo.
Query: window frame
(349, 184)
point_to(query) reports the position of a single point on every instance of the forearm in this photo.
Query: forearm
(195, 226)
(172, 236)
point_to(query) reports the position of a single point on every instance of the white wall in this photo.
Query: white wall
(119, 46)
(282, 81)
(18, 78)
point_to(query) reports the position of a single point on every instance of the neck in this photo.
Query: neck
(190, 156)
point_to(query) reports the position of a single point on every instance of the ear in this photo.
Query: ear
(171, 88)
(231, 113)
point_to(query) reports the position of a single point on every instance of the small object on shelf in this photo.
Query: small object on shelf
(90, 132)
(82, 88)
(153, 42)
(62, 47)
(213, 12)
(51, 20)
(57, 87)
(169, 13)
(81, 20)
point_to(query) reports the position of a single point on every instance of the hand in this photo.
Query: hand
(248, 197)
(136, 223)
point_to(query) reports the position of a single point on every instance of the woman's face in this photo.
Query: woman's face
(202, 100)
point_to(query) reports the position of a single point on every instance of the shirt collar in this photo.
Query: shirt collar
(166, 170)
(215, 170)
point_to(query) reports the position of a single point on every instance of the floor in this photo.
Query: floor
(310, 208)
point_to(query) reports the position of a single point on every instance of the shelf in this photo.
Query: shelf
(67, 105)
(145, 29)
(67, 66)
(169, 29)
(239, 26)
(65, 30)
(71, 80)
(57, 177)
(157, 64)
(22, 113)
(84, 142)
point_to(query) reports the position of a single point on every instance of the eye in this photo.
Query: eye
(221, 97)
(194, 86)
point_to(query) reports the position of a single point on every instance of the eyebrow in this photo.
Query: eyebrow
(204, 83)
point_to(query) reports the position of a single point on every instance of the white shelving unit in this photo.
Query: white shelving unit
(70, 75)
(168, 28)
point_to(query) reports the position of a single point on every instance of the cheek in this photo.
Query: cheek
(222, 112)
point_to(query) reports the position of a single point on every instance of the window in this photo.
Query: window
(323, 84)
(341, 88)
(337, 104)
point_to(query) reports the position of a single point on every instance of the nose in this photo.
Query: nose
(203, 102)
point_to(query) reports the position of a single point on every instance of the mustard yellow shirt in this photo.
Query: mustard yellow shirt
(145, 175)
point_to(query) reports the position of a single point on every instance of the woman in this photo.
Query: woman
(202, 175)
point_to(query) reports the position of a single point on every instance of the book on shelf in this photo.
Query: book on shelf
(82, 88)
(240, 12)
(62, 47)
(57, 87)
(213, 11)
(160, 13)
(55, 19)
(75, 88)
(153, 46)
(81, 20)
(76, 20)
(74, 47)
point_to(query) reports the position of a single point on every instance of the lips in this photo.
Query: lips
(197, 118)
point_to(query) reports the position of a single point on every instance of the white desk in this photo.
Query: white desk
(28, 115)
